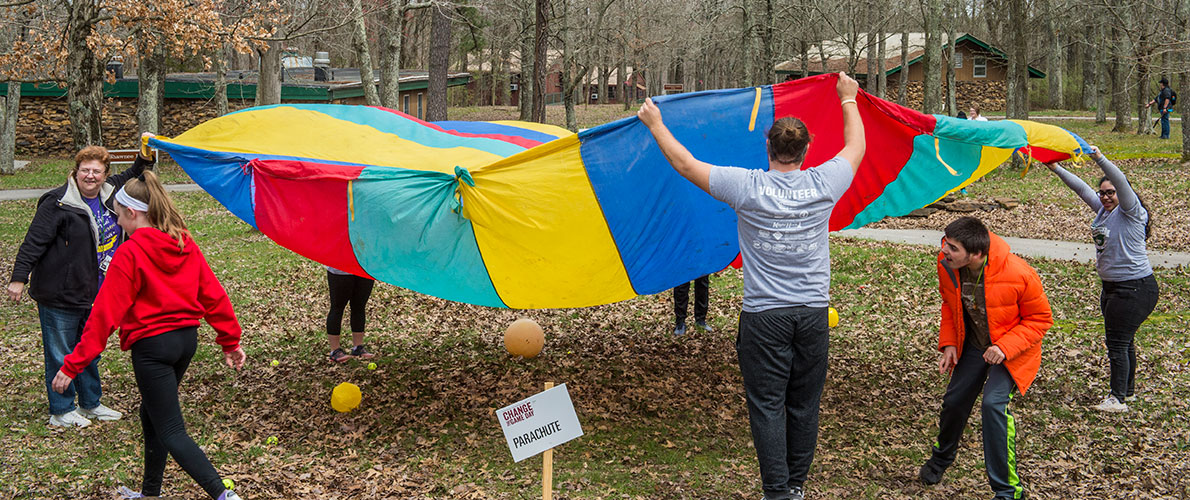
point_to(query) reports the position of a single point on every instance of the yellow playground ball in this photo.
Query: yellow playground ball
(524, 338)
(832, 317)
(345, 397)
(275, 362)
(271, 440)
(371, 366)
(229, 484)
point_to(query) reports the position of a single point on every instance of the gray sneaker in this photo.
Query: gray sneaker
(100, 413)
(69, 419)
(796, 493)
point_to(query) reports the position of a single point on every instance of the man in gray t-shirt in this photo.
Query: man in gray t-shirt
(783, 216)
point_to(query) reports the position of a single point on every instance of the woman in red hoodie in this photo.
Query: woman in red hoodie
(157, 287)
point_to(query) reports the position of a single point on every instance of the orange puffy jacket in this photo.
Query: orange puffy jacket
(1018, 311)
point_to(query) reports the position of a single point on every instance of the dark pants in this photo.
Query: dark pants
(347, 288)
(783, 357)
(61, 330)
(971, 376)
(159, 363)
(702, 300)
(1165, 125)
(1125, 305)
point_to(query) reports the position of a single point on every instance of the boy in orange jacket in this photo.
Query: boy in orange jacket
(994, 314)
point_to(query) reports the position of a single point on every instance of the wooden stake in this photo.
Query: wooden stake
(547, 466)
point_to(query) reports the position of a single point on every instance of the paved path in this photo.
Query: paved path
(1111, 118)
(33, 194)
(1062, 250)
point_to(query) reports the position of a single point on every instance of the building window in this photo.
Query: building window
(419, 115)
(979, 67)
(958, 60)
(406, 103)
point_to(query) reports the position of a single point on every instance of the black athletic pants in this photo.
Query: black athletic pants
(702, 300)
(347, 288)
(159, 363)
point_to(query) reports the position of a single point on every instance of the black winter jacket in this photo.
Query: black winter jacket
(58, 254)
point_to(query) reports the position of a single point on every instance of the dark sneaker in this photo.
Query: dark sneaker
(362, 352)
(680, 329)
(931, 473)
(339, 356)
(702, 325)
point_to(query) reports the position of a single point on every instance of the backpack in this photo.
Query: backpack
(1173, 98)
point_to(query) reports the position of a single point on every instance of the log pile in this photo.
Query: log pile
(988, 95)
(951, 203)
(43, 127)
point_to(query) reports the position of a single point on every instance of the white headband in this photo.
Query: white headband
(127, 200)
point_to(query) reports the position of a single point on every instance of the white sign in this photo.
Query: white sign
(539, 422)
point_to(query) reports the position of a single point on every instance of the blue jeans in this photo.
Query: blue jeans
(1165, 124)
(61, 330)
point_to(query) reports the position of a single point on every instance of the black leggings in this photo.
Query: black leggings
(1125, 305)
(347, 288)
(159, 363)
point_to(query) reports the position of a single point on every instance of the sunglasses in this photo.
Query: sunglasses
(1107, 192)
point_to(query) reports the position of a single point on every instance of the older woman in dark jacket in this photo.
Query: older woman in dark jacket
(63, 260)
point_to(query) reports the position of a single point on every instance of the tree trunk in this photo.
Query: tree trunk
(150, 71)
(1018, 60)
(439, 62)
(84, 77)
(932, 60)
(268, 82)
(1119, 85)
(389, 60)
(1183, 104)
(1090, 75)
(8, 128)
(540, 60)
(1055, 62)
(903, 74)
(952, 107)
(881, 58)
(870, 53)
(221, 80)
(359, 43)
(526, 92)
(622, 79)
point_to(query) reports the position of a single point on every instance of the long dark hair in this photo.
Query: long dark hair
(1149, 220)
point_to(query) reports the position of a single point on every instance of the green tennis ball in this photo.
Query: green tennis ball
(371, 366)
(271, 440)
(275, 362)
(229, 484)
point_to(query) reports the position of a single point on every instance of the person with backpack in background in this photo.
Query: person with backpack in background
(1165, 100)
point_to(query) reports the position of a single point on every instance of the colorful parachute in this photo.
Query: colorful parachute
(521, 215)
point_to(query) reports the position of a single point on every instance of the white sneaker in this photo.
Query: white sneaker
(100, 413)
(1112, 405)
(69, 419)
(1129, 399)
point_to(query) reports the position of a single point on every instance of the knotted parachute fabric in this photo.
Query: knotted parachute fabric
(555, 219)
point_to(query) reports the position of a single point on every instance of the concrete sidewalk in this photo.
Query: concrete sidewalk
(1051, 249)
(33, 194)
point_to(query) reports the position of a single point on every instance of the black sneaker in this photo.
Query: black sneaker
(362, 352)
(339, 356)
(931, 473)
(680, 329)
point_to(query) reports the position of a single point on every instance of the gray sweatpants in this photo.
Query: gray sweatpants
(783, 357)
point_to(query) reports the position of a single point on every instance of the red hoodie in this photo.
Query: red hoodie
(153, 287)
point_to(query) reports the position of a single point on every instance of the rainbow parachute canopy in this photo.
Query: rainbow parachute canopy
(524, 215)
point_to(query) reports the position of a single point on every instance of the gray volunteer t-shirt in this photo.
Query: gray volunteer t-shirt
(783, 230)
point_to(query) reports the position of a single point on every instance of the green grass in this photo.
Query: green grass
(663, 417)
